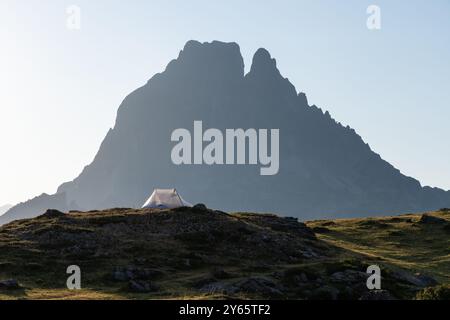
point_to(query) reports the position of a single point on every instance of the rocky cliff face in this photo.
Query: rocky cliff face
(326, 170)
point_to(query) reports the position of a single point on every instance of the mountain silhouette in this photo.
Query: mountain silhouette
(326, 169)
(5, 208)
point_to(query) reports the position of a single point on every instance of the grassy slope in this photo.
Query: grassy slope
(184, 249)
(400, 241)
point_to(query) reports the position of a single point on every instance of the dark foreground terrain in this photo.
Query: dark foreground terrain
(196, 253)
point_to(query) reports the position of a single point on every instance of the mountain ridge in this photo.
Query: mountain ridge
(327, 170)
(5, 208)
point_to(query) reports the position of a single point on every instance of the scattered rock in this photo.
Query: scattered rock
(200, 207)
(349, 276)
(291, 225)
(303, 277)
(120, 276)
(425, 280)
(427, 219)
(309, 253)
(10, 284)
(277, 275)
(52, 213)
(377, 295)
(300, 278)
(134, 273)
(266, 238)
(259, 285)
(320, 281)
(419, 280)
(353, 291)
(140, 260)
(141, 286)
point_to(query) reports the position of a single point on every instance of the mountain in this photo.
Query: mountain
(205, 254)
(325, 169)
(5, 208)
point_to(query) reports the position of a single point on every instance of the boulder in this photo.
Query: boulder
(261, 286)
(418, 279)
(120, 275)
(427, 219)
(10, 284)
(425, 280)
(309, 253)
(200, 207)
(133, 273)
(52, 213)
(141, 286)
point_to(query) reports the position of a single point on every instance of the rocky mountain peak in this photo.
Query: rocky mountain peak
(221, 58)
(326, 170)
(263, 63)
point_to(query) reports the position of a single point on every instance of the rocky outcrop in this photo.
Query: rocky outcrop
(429, 219)
(10, 284)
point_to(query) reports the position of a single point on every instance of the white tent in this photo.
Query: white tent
(166, 199)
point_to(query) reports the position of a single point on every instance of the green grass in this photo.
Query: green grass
(400, 241)
(184, 247)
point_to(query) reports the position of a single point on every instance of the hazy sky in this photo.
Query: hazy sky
(60, 89)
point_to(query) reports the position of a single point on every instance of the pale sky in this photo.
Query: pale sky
(60, 89)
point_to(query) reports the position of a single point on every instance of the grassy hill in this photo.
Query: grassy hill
(196, 253)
